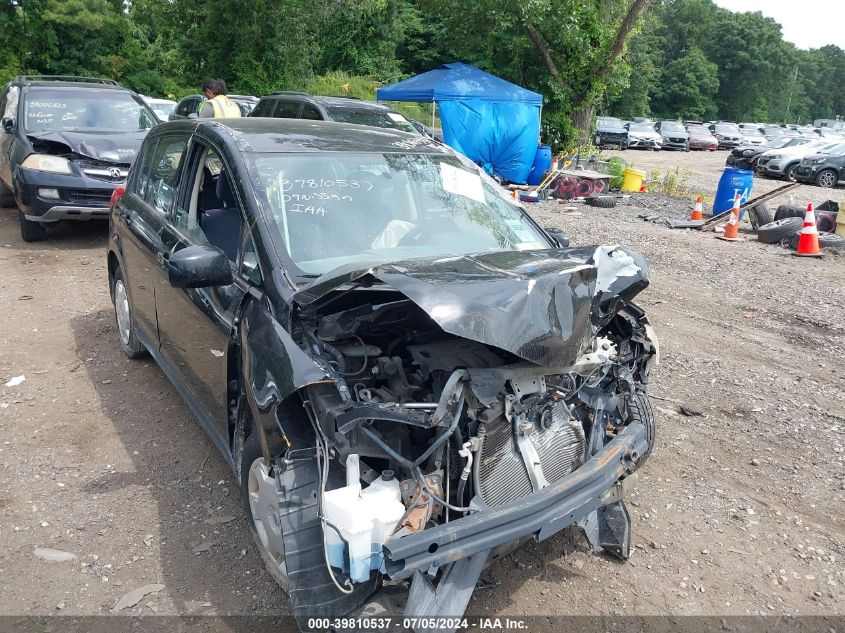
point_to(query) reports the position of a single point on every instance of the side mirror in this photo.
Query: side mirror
(8, 124)
(199, 266)
(558, 236)
(193, 115)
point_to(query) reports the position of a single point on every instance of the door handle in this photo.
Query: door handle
(162, 260)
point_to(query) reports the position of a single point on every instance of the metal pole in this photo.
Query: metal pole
(789, 100)
(433, 105)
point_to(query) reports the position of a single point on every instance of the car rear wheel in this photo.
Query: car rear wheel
(826, 178)
(31, 231)
(132, 347)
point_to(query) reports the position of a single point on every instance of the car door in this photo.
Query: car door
(196, 324)
(8, 110)
(139, 222)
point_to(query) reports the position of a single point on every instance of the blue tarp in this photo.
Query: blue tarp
(490, 120)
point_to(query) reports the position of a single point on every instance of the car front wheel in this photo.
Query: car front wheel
(132, 347)
(261, 503)
(826, 178)
(31, 231)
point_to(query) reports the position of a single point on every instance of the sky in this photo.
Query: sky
(805, 23)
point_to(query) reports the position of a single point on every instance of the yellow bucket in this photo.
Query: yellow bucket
(840, 223)
(632, 179)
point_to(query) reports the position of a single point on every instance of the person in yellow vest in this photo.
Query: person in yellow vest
(218, 106)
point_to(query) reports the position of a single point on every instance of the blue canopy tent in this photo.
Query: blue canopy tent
(492, 121)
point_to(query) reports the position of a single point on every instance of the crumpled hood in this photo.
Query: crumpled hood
(104, 145)
(544, 306)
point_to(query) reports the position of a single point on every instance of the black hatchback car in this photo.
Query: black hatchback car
(404, 371)
(825, 170)
(66, 143)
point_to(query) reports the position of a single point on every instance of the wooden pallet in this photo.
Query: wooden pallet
(754, 201)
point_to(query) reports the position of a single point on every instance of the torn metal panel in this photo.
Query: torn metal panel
(274, 367)
(113, 147)
(535, 304)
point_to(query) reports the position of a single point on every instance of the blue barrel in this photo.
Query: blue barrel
(542, 162)
(733, 181)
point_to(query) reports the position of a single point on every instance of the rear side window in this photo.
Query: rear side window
(286, 110)
(310, 112)
(163, 171)
(186, 107)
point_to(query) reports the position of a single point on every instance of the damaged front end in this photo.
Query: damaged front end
(470, 403)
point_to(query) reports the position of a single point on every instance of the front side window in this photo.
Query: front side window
(264, 108)
(163, 170)
(335, 209)
(68, 110)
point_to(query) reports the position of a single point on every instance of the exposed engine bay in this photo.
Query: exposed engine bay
(434, 430)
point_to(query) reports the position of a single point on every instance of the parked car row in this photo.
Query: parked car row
(816, 161)
(67, 142)
(643, 133)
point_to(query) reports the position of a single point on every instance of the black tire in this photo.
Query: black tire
(605, 202)
(32, 231)
(826, 240)
(831, 240)
(7, 196)
(760, 215)
(639, 410)
(790, 211)
(774, 232)
(307, 582)
(827, 178)
(126, 335)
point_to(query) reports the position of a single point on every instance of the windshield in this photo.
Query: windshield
(746, 131)
(723, 128)
(781, 141)
(372, 117)
(331, 210)
(672, 126)
(608, 121)
(698, 129)
(163, 110)
(837, 150)
(53, 110)
(641, 127)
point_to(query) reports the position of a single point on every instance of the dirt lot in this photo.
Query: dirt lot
(700, 171)
(740, 510)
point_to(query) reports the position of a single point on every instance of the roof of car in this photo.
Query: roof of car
(267, 135)
(68, 81)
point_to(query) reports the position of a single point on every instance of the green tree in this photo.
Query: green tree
(687, 88)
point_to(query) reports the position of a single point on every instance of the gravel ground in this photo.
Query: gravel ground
(740, 510)
(704, 169)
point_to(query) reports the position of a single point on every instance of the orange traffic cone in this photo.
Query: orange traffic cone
(696, 213)
(731, 233)
(808, 243)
